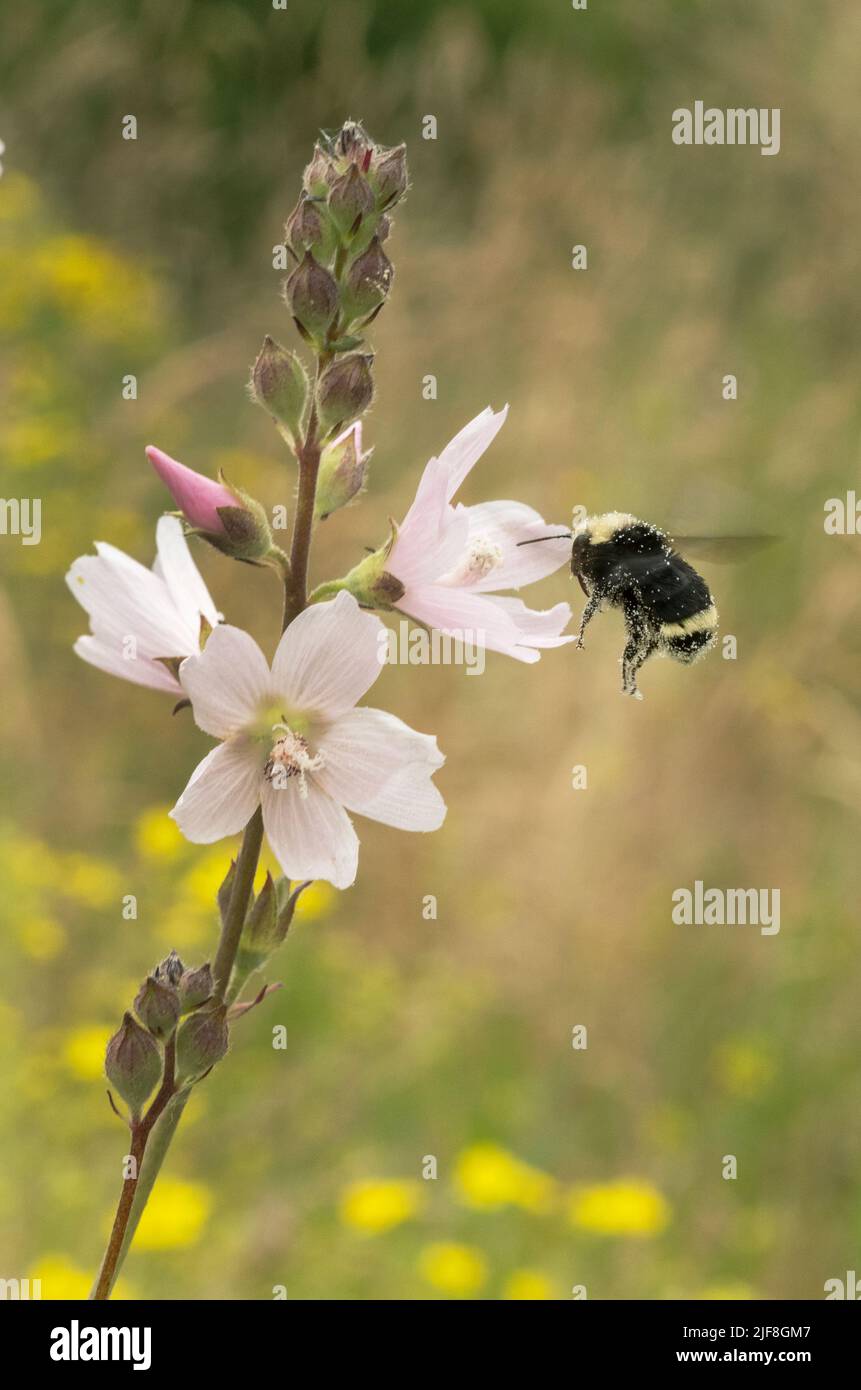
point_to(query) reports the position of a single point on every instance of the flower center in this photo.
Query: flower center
(289, 757)
(482, 556)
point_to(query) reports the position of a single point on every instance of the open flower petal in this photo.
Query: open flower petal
(450, 558)
(222, 794)
(139, 616)
(227, 683)
(124, 599)
(181, 575)
(107, 656)
(432, 535)
(476, 618)
(540, 628)
(462, 453)
(507, 525)
(312, 835)
(328, 657)
(379, 767)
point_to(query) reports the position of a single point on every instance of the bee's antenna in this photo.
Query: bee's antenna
(566, 536)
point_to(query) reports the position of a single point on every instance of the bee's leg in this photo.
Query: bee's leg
(639, 647)
(588, 614)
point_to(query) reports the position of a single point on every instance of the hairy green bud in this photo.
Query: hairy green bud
(195, 987)
(368, 282)
(343, 469)
(388, 175)
(350, 201)
(279, 383)
(312, 296)
(133, 1063)
(201, 1041)
(157, 1007)
(345, 390)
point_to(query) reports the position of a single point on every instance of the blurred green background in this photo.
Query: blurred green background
(406, 1038)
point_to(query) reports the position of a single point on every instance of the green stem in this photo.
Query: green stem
(327, 590)
(234, 921)
(148, 1153)
(151, 1136)
(308, 458)
(141, 1131)
(154, 1156)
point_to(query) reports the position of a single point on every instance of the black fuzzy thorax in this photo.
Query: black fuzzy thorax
(637, 566)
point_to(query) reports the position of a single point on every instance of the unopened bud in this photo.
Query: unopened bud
(319, 173)
(279, 383)
(370, 582)
(350, 201)
(261, 926)
(223, 515)
(259, 935)
(353, 142)
(195, 987)
(345, 390)
(388, 175)
(343, 469)
(368, 282)
(133, 1063)
(201, 1041)
(169, 971)
(157, 1007)
(225, 892)
(247, 535)
(309, 228)
(312, 296)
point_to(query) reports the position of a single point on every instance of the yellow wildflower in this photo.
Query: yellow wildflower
(459, 1270)
(157, 836)
(84, 1051)
(41, 937)
(61, 1278)
(376, 1206)
(627, 1207)
(174, 1216)
(528, 1284)
(91, 881)
(488, 1177)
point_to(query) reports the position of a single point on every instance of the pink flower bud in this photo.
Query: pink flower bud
(197, 497)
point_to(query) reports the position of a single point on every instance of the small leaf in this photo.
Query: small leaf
(237, 1010)
(225, 892)
(346, 344)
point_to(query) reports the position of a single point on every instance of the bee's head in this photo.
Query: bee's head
(580, 544)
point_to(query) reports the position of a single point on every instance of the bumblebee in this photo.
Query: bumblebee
(622, 562)
(626, 563)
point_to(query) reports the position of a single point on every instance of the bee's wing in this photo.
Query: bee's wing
(722, 550)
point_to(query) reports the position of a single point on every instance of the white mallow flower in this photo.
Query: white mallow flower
(142, 622)
(452, 560)
(294, 743)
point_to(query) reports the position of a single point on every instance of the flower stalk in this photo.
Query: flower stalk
(297, 752)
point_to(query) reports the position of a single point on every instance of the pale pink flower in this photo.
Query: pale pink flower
(196, 496)
(138, 615)
(452, 560)
(294, 743)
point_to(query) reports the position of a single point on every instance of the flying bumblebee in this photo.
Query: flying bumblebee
(622, 562)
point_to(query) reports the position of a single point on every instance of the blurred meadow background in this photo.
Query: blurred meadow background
(450, 1037)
